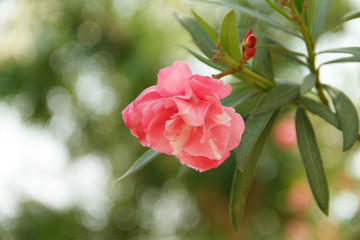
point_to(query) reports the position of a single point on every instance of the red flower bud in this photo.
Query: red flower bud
(249, 53)
(249, 40)
(248, 34)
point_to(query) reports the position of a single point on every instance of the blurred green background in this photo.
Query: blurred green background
(68, 68)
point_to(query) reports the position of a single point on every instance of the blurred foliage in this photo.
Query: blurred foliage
(72, 66)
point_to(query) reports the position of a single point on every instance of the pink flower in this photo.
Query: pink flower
(285, 134)
(182, 116)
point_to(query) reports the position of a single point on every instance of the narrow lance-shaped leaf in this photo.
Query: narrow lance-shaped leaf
(345, 19)
(298, 5)
(355, 51)
(279, 48)
(310, 11)
(214, 64)
(321, 110)
(280, 10)
(237, 99)
(259, 16)
(143, 160)
(343, 60)
(294, 56)
(312, 159)
(200, 37)
(277, 97)
(347, 115)
(217, 65)
(242, 181)
(322, 10)
(254, 127)
(206, 27)
(229, 36)
(350, 50)
(308, 83)
(263, 62)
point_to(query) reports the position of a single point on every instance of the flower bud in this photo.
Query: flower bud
(249, 41)
(248, 46)
(249, 53)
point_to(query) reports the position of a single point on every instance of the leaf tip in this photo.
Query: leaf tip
(347, 146)
(120, 178)
(325, 210)
(117, 180)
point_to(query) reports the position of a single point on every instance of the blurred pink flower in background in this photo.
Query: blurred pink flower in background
(299, 197)
(284, 134)
(297, 229)
(182, 116)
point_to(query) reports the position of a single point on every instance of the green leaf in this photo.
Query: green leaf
(355, 51)
(200, 37)
(347, 115)
(259, 16)
(322, 10)
(321, 110)
(141, 162)
(308, 83)
(217, 65)
(280, 48)
(351, 50)
(280, 10)
(242, 181)
(263, 62)
(229, 36)
(345, 19)
(312, 159)
(277, 97)
(284, 52)
(343, 60)
(298, 5)
(255, 125)
(310, 11)
(351, 16)
(239, 98)
(206, 27)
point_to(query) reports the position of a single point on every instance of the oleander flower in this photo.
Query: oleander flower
(284, 134)
(182, 116)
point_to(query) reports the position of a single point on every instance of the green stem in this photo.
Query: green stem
(257, 77)
(230, 61)
(320, 89)
(250, 81)
(222, 74)
(238, 67)
(311, 61)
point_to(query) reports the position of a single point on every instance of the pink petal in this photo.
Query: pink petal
(216, 116)
(178, 133)
(193, 113)
(203, 86)
(133, 122)
(144, 99)
(155, 132)
(150, 110)
(201, 163)
(237, 127)
(174, 80)
(215, 145)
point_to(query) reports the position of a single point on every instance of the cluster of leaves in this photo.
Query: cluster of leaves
(306, 20)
